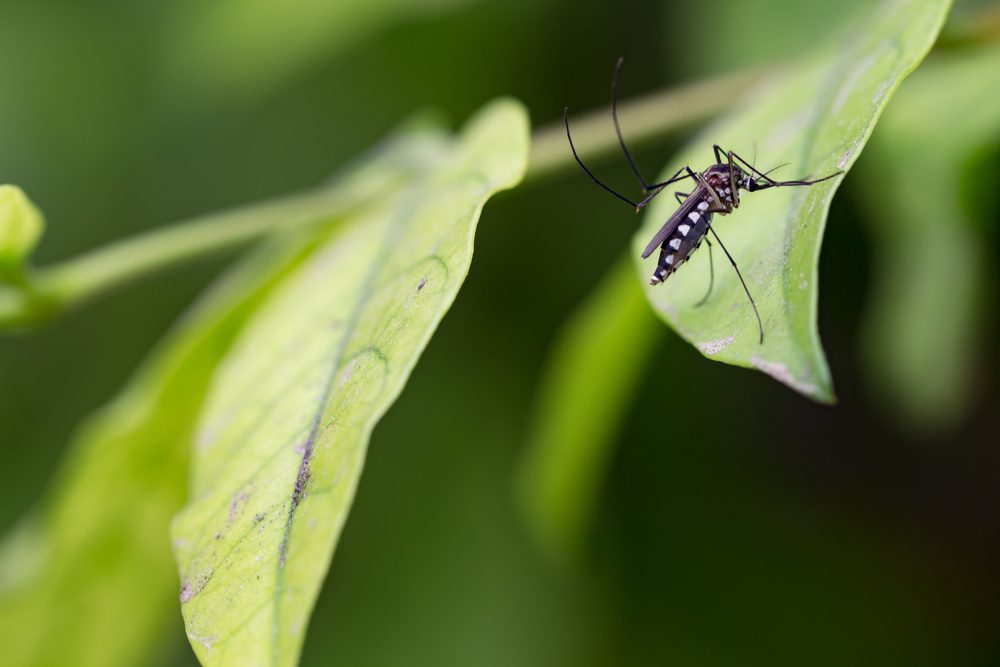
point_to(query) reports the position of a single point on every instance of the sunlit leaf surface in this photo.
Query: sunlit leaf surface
(816, 116)
(92, 567)
(75, 571)
(929, 193)
(282, 440)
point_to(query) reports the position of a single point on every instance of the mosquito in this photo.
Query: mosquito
(716, 190)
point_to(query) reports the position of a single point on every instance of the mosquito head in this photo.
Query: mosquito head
(741, 179)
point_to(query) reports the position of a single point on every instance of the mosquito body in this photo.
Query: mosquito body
(715, 190)
(688, 226)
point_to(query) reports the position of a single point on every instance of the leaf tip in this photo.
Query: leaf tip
(21, 226)
(503, 126)
(821, 391)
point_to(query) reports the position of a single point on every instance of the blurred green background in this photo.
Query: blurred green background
(758, 528)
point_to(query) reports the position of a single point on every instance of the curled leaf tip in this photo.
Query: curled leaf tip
(21, 226)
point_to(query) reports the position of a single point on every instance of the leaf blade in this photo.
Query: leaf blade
(817, 116)
(281, 445)
(72, 569)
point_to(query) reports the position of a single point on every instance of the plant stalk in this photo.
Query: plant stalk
(53, 290)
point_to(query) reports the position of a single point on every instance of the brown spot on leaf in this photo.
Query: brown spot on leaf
(190, 589)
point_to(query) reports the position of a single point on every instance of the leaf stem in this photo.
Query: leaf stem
(53, 290)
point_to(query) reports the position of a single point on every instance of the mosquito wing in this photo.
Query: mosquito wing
(671, 224)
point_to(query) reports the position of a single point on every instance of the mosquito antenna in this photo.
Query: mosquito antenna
(760, 325)
(776, 184)
(810, 182)
(584, 167)
(771, 183)
(773, 169)
(618, 130)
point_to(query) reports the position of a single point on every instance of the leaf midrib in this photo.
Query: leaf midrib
(301, 479)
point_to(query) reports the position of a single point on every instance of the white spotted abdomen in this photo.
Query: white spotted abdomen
(685, 239)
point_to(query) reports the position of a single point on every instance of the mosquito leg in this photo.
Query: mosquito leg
(584, 167)
(752, 168)
(711, 275)
(648, 198)
(678, 176)
(717, 205)
(760, 325)
(621, 140)
(717, 149)
(732, 181)
(681, 197)
(658, 187)
(646, 185)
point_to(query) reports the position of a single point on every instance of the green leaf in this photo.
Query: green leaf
(932, 279)
(282, 440)
(103, 537)
(586, 388)
(816, 116)
(21, 226)
(93, 566)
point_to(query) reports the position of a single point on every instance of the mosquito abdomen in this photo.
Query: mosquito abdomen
(685, 240)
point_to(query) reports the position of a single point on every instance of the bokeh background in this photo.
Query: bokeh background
(758, 528)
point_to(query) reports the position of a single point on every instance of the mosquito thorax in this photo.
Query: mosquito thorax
(723, 182)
